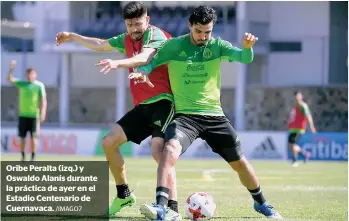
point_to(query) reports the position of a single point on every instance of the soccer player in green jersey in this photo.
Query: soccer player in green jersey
(194, 68)
(31, 91)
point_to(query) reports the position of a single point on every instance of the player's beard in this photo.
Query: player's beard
(197, 42)
(201, 43)
(136, 36)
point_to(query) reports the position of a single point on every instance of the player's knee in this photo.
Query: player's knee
(240, 165)
(157, 155)
(157, 147)
(172, 150)
(114, 139)
(109, 142)
(106, 142)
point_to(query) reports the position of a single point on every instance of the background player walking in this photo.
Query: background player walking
(297, 124)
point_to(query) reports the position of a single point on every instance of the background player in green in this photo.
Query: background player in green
(31, 92)
(153, 108)
(194, 68)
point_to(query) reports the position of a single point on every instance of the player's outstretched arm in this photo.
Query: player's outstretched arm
(10, 77)
(95, 44)
(141, 59)
(244, 55)
(153, 39)
(163, 56)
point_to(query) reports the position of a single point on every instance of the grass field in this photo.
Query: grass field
(315, 191)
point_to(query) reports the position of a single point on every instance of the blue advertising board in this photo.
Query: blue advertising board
(325, 146)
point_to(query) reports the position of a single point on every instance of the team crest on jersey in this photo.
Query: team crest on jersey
(182, 54)
(207, 53)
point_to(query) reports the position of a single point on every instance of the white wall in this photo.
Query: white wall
(303, 68)
(299, 19)
(85, 74)
(228, 74)
(258, 11)
(307, 22)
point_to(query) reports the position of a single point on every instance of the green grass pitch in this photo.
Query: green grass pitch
(314, 191)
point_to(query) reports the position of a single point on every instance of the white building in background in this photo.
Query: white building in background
(298, 35)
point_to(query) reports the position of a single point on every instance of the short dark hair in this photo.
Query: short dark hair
(29, 70)
(203, 15)
(134, 10)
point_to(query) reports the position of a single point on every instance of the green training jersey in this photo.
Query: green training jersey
(194, 72)
(29, 95)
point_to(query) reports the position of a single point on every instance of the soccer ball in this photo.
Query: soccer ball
(200, 206)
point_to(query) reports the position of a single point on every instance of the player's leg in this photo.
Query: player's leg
(157, 146)
(111, 143)
(296, 149)
(178, 137)
(22, 133)
(162, 114)
(124, 130)
(222, 138)
(34, 133)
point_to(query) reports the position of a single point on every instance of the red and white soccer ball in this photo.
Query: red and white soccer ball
(200, 206)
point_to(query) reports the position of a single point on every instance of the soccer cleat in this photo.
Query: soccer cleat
(172, 215)
(307, 157)
(118, 204)
(294, 164)
(158, 212)
(154, 212)
(267, 210)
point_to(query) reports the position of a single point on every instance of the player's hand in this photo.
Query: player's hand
(108, 64)
(62, 37)
(13, 65)
(140, 77)
(42, 117)
(249, 40)
(313, 130)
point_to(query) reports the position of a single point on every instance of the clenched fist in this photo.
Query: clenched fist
(62, 37)
(249, 40)
(13, 64)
